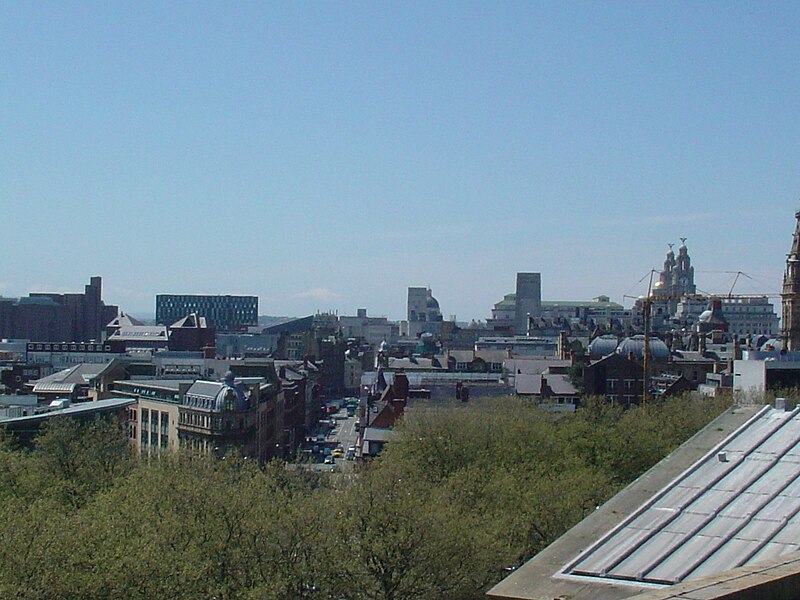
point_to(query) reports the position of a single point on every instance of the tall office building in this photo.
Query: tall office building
(224, 313)
(528, 300)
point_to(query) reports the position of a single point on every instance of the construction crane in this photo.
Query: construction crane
(647, 302)
(647, 305)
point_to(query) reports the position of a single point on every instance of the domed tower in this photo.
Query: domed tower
(424, 314)
(231, 397)
(664, 283)
(790, 296)
(683, 274)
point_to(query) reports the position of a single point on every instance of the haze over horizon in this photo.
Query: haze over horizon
(329, 156)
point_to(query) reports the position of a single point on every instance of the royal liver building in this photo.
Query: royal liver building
(678, 306)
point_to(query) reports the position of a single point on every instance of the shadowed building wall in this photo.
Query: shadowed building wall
(528, 301)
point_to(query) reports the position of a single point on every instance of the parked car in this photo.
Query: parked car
(329, 460)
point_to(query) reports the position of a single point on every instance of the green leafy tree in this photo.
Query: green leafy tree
(75, 460)
(410, 540)
(461, 494)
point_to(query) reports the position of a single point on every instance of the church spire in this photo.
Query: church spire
(790, 296)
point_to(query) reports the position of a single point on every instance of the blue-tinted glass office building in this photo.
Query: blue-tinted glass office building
(225, 313)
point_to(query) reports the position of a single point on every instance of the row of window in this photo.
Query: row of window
(206, 421)
(197, 420)
(628, 399)
(560, 400)
(153, 393)
(69, 347)
(209, 403)
(463, 366)
(78, 358)
(194, 444)
(154, 429)
(214, 300)
(628, 383)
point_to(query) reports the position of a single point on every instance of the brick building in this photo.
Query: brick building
(57, 317)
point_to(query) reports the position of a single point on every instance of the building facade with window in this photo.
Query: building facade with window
(617, 377)
(153, 420)
(63, 317)
(223, 313)
(60, 355)
(243, 415)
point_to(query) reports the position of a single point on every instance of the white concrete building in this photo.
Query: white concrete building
(758, 372)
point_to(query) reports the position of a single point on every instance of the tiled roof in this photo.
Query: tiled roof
(80, 374)
(205, 389)
(532, 384)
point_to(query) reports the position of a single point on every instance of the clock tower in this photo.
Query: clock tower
(790, 296)
(677, 277)
(683, 273)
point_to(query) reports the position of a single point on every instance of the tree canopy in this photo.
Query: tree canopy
(463, 494)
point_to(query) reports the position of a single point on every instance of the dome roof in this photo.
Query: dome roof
(231, 396)
(712, 319)
(509, 301)
(773, 344)
(603, 346)
(432, 303)
(635, 346)
(710, 316)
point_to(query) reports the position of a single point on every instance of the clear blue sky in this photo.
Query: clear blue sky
(327, 155)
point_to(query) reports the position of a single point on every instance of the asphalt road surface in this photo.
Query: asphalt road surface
(342, 436)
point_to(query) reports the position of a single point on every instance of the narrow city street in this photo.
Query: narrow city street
(340, 439)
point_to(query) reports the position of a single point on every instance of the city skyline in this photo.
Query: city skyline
(328, 157)
(755, 287)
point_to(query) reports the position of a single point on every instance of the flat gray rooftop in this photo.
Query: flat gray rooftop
(736, 507)
(78, 408)
(573, 566)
